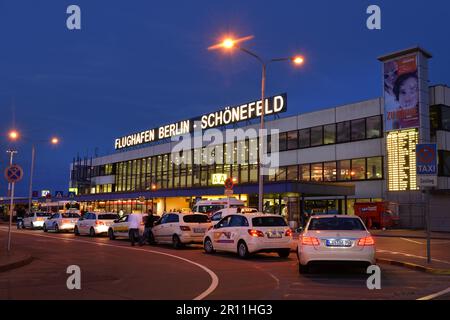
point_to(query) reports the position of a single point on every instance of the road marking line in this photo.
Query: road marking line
(214, 278)
(411, 255)
(416, 242)
(435, 295)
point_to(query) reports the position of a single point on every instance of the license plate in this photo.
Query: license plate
(274, 234)
(339, 243)
(199, 230)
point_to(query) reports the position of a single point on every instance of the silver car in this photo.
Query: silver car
(35, 220)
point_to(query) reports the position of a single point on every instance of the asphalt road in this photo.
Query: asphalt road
(115, 270)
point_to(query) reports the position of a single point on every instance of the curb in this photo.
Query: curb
(14, 265)
(413, 266)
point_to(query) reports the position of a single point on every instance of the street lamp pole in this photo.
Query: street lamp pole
(11, 206)
(233, 43)
(30, 191)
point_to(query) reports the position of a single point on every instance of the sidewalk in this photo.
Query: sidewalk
(13, 260)
(407, 233)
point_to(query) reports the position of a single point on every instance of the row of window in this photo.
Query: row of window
(142, 174)
(342, 170)
(346, 131)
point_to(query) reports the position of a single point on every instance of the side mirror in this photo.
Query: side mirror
(117, 220)
(299, 229)
(216, 226)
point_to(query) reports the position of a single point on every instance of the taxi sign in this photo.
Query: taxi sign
(426, 164)
(14, 173)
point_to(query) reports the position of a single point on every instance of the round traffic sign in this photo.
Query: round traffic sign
(14, 173)
(229, 184)
(426, 154)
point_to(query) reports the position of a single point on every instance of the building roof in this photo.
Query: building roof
(396, 54)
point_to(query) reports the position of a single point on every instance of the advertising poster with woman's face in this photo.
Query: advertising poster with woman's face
(401, 94)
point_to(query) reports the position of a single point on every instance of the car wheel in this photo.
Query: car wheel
(111, 234)
(76, 231)
(22, 224)
(44, 228)
(303, 269)
(56, 228)
(176, 242)
(284, 253)
(208, 246)
(242, 250)
(92, 232)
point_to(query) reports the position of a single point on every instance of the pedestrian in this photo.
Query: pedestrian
(134, 221)
(148, 225)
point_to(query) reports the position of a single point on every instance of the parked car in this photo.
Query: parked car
(61, 222)
(179, 229)
(120, 227)
(248, 234)
(94, 223)
(35, 220)
(338, 238)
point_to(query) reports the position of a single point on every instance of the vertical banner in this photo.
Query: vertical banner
(401, 93)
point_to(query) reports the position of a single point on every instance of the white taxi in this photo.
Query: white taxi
(179, 229)
(120, 227)
(336, 238)
(94, 223)
(248, 234)
(61, 222)
(35, 220)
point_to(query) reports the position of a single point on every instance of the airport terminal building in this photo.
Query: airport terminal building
(328, 159)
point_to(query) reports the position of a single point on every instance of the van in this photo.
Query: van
(210, 206)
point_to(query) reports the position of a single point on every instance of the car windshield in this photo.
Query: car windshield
(43, 214)
(108, 216)
(269, 222)
(336, 224)
(195, 218)
(209, 208)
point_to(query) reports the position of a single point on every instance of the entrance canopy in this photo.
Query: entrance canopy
(303, 188)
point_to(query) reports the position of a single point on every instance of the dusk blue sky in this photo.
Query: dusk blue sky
(138, 64)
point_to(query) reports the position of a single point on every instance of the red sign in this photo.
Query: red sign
(229, 184)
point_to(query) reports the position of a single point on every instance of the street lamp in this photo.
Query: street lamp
(14, 136)
(230, 44)
(53, 141)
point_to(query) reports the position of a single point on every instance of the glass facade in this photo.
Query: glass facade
(167, 172)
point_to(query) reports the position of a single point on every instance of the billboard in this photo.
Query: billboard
(401, 93)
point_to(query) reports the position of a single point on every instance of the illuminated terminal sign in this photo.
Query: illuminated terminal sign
(273, 105)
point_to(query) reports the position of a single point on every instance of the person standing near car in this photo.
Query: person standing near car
(148, 225)
(134, 221)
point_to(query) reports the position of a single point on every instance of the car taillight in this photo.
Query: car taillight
(367, 241)
(255, 233)
(288, 233)
(185, 228)
(310, 241)
(99, 223)
(39, 219)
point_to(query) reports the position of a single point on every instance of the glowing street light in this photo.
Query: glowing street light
(298, 60)
(13, 135)
(229, 43)
(54, 140)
